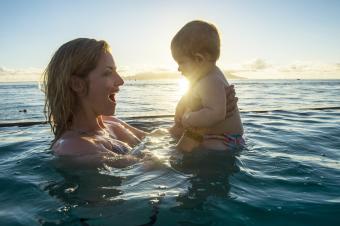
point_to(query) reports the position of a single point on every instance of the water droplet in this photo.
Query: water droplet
(70, 190)
(161, 193)
(154, 201)
(63, 209)
(162, 187)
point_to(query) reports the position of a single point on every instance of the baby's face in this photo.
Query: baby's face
(187, 66)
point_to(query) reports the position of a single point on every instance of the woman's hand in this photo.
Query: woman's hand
(151, 162)
(231, 100)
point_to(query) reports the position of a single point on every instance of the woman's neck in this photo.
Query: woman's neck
(87, 121)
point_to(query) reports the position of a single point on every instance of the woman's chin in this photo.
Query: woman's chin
(110, 112)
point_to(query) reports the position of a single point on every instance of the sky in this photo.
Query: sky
(259, 38)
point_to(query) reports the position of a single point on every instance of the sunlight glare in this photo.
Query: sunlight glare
(183, 85)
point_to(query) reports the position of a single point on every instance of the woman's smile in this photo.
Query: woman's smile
(112, 98)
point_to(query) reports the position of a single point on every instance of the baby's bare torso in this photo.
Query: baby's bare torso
(229, 125)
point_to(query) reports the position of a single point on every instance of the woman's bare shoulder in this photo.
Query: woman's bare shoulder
(71, 144)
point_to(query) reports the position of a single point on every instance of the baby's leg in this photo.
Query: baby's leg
(223, 142)
(214, 144)
(189, 141)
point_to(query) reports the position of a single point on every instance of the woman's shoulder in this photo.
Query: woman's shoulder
(71, 144)
(113, 123)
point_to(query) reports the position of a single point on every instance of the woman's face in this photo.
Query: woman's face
(103, 85)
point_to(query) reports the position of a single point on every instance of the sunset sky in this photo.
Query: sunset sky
(260, 38)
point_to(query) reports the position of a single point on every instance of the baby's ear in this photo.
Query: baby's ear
(199, 57)
(78, 85)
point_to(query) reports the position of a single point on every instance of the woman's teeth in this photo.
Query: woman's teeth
(112, 97)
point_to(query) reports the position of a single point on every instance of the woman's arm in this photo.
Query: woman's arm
(140, 134)
(231, 100)
(77, 151)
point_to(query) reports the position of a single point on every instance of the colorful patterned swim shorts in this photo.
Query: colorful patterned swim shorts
(234, 141)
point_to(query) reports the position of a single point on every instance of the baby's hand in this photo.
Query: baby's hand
(180, 108)
(176, 130)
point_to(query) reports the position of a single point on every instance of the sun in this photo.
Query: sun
(183, 85)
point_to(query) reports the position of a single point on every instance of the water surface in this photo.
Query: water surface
(287, 175)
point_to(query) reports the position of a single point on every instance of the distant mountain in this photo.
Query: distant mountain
(153, 76)
(231, 75)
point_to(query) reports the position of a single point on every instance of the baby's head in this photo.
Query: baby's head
(197, 41)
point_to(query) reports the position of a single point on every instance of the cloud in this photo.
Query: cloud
(6, 71)
(19, 75)
(34, 74)
(126, 71)
(254, 69)
(256, 65)
(311, 68)
(155, 74)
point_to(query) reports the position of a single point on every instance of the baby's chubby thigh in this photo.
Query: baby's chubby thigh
(214, 144)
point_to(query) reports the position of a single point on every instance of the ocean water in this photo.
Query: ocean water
(288, 174)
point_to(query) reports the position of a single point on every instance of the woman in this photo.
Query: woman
(81, 82)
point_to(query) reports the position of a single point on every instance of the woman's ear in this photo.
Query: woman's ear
(78, 85)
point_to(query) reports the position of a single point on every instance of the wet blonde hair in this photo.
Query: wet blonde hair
(74, 58)
(197, 37)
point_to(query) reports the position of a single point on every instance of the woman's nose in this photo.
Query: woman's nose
(118, 80)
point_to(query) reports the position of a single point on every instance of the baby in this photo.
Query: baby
(202, 111)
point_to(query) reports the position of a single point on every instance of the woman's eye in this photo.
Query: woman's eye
(107, 73)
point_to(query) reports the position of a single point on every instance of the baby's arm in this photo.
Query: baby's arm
(212, 94)
(180, 110)
(177, 129)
